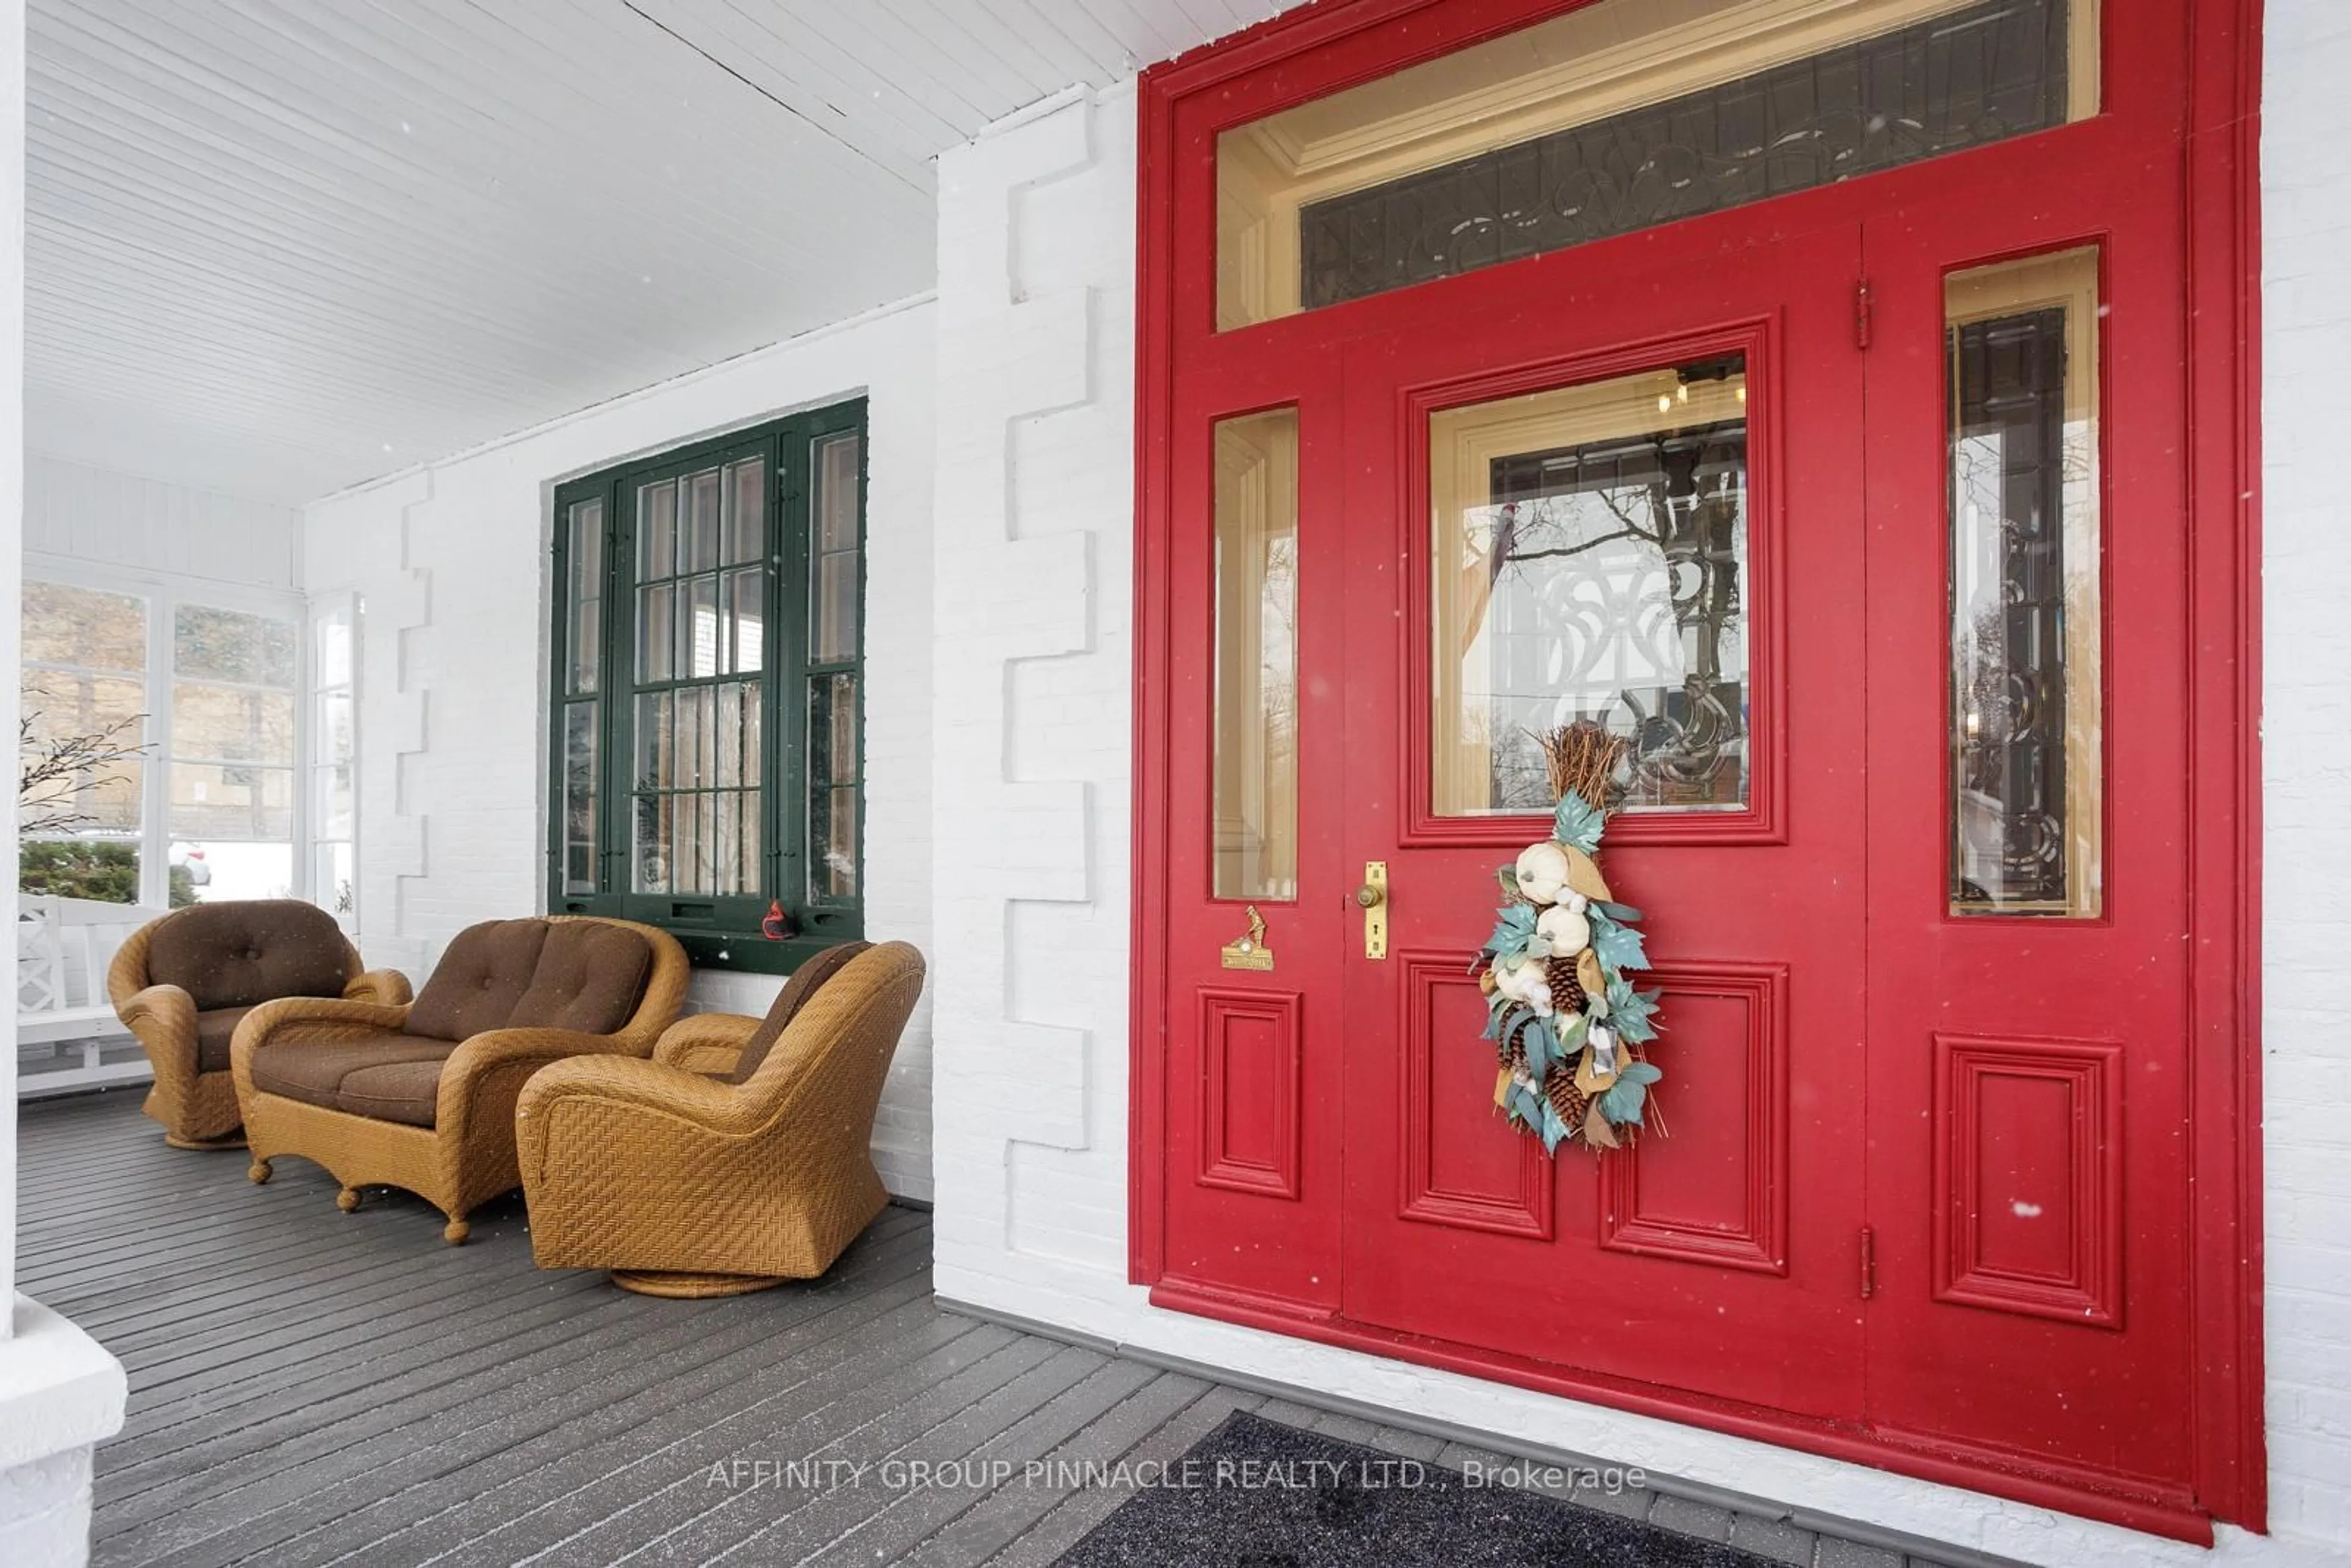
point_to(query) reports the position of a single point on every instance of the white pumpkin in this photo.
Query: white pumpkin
(1564, 927)
(1525, 981)
(1542, 872)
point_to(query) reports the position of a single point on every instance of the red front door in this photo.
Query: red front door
(1867, 513)
(1625, 492)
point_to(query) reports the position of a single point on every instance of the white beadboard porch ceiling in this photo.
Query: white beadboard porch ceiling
(276, 247)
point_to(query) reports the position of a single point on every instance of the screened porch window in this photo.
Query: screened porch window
(707, 720)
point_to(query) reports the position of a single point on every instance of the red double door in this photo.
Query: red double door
(1920, 1193)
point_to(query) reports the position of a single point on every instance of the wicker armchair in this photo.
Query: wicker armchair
(184, 983)
(423, 1096)
(687, 1185)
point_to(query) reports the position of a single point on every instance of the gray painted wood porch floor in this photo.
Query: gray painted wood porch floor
(308, 1386)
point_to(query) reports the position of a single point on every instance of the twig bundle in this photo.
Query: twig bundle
(1581, 759)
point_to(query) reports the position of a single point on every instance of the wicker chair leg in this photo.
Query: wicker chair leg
(457, 1230)
(230, 1141)
(692, 1287)
(347, 1199)
(259, 1171)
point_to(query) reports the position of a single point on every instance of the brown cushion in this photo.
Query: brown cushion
(395, 1091)
(244, 951)
(215, 1029)
(391, 1077)
(480, 979)
(789, 1001)
(590, 978)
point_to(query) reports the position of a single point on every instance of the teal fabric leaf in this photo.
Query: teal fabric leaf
(1507, 875)
(1640, 1072)
(1514, 928)
(1570, 1038)
(1554, 1131)
(1633, 1013)
(1621, 914)
(1621, 1102)
(1529, 1110)
(1501, 1015)
(1578, 824)
(1542, 1047)
(1616, 946)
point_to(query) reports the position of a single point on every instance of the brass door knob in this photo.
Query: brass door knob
(1371, 896)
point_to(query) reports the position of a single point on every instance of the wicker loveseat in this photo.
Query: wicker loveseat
(184, 983)
(686, 1184)
(423, 1096)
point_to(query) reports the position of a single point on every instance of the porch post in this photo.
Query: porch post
(60, 1392)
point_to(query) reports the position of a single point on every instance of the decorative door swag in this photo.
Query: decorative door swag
(1568, 1025)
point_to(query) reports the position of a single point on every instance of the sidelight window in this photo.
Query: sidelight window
(705, 722)
(1616, 116)
(2022, 345)
(1256, 761)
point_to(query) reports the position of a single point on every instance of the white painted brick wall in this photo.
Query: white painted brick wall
(1033, 866)
(2306, 765)
(1036, 323)
(453, 694)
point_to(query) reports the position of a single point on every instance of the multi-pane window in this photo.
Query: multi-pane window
(334, 759)
(705, 723)
(84, 689)
(230, 817)
(161, 743)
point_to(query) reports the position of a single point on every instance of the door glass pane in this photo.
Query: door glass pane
(657, 529)
(84, 628)
(2023, 349)
(698, 542)
(216, 873)
(233, 723)
(1255, 768)
(579, 798)
(331, 747)
(832, 773)
(68, 715)
(700, 658)
(1589, 562)
(212, 801)
(833, 552)
(743, 592)
(209, 644)
(1618, 116)
(585, 550)
(747, 490)
(651, 847)
(656, 637)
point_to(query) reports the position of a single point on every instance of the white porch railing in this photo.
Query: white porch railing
(67, 1037)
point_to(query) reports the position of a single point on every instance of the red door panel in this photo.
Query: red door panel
(2033, 1236)
(1720, 1259)
(1253, 1134)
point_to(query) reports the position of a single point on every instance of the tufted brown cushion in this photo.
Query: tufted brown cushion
(391, 1077)
(215, 1029)
(244, 951)
(480, 979)
(789, 1001)
(590, 978)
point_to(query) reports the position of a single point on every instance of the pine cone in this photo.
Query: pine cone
(1566, 991)
(1559, 1088)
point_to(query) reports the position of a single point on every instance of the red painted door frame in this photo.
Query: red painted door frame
(2182, 92)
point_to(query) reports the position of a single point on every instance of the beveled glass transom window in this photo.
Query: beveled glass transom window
(1589, 559)
(1619, 115)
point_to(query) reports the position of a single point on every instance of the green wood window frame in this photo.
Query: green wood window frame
(704, 769)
